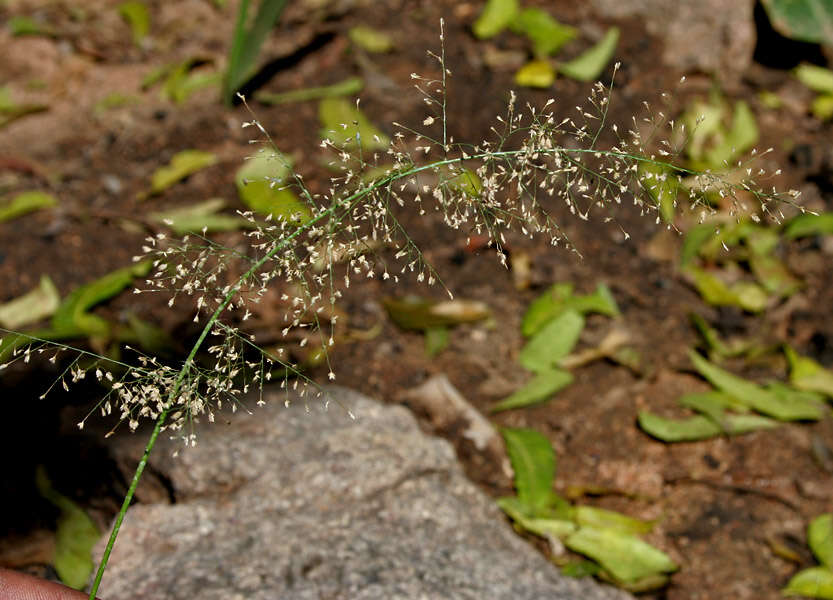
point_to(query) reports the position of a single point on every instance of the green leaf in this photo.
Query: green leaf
(580, 568)
(700, 427)
(538, 389)
(601, 302)
(545, 307)
(715, 345)
(137, 15)
(805, 20)
(797, 404)
(742, 135)
(555, 509)
(246, 43)
(559, 298)
(181, 80)
(201, 217)
(416, 313)
(183, 88)
(536, 74)
(770, 100)
(370, 39)
(746, 295)
(546, 34)
(260, 185)
(552, 343)
(740, 424)
(20, 25)
(590, 65)
(806, 374)
(822, 107)
(815, 582)
(10, 110)
(807, 225)
(73, 316)
(728, 236)
(761, 241)
(75, 536)
(544, 527)
(773, 275)
(704, 121)
(114, 100)
(749, 296)
(548, 528)
(745, 392)
(820, 539)
(436, 340)
(630, 358)
(782, 549)
(346, 125)
(816, 78)
(348, 87)
(183, 164)
(24, 203)
(599, 518)
(624, 556)
(533, 462)
(712, 404)
(714, 291)
(495, 17)
(175, 79)
(32, 306)
(156, 75)
(777, 401)
(464, 182)
(694, 240)
(712, 144)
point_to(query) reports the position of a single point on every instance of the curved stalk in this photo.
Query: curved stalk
(346, 205)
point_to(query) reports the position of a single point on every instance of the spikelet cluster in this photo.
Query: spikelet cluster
(510, 183)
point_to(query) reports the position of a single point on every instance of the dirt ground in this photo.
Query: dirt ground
(722, 504)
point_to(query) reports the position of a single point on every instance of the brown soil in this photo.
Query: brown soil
(719, 502)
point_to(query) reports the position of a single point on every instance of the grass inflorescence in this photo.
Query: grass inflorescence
(508, 184)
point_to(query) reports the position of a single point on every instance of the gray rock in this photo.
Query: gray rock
(307, 503)
(714, 36)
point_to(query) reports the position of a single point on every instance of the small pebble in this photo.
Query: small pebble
(112, 184)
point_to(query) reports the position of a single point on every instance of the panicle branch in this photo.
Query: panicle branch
(533, 165)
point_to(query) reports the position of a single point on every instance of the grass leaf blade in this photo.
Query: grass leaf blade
(534, 464)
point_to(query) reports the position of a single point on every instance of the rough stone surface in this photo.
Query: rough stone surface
(303, 503)
(713, 36)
